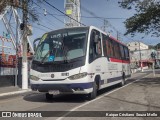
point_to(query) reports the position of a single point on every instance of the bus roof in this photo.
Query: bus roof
(68, 28)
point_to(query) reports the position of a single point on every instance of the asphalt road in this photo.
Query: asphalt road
(139, 94)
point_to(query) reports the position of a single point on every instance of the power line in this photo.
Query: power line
(44, 26)
(101, 18)
(91, 17)
(39, 28)
(86, 10)
(55, 17)
(63, 12)
(49, 13)
(51, 23)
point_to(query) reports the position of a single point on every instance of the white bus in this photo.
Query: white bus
(78, 60)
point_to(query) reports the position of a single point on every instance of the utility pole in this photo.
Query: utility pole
(117, 35)
(72, 8)
(140, 56)
(153, 55)
(16, 71)
(105, 25)
(24, 45)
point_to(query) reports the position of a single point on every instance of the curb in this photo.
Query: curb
(15, 92)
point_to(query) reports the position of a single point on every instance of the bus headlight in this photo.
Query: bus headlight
(32, 77)
(78, 76)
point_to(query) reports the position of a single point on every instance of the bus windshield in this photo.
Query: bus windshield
(60, 45)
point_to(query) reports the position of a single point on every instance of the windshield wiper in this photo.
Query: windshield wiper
(42, 61)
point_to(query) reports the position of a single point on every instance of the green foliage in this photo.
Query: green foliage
(154, 46)
(147, 17)
(157, 46)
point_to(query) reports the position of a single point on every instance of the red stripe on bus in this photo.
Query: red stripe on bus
(125, 61)
(118, 60)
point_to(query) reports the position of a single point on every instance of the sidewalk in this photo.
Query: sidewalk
(12, 90)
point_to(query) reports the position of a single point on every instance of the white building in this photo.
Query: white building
(145, 55)
(143, 58)
(134, 46)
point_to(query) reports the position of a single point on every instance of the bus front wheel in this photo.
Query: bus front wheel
(49, 96)
(93, 94)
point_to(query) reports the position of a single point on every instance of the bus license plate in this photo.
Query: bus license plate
(54, 92)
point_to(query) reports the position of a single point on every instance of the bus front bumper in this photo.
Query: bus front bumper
(74, 88)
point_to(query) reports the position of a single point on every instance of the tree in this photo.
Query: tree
(147, 17)
(18, 4)
(157, 46)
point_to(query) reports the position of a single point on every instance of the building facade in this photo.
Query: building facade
(134, 46)
(143, 58)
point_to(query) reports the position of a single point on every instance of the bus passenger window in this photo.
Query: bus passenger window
(110, 48)
(126, 52)
(105, 45)
(98, 46)
(122, 52)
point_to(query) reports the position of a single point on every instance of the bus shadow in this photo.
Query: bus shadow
(40, 97)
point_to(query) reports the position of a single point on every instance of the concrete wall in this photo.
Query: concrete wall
(7, 80)
(7, 75)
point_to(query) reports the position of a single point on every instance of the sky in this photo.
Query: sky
(102, 8)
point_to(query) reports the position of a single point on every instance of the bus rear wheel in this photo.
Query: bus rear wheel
(93, 94)
(49, 96)
(123, 80)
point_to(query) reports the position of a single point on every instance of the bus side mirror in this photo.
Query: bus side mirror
(35, 43)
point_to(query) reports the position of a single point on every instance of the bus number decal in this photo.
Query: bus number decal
(98, 68)
(112, 66)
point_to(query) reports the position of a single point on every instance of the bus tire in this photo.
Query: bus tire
(93, 94)
(49, 96)
(123, 82)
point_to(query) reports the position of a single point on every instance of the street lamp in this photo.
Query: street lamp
(153, 56)
(140, 57)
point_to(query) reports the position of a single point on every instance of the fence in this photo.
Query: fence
(7, 76)
(7, 71)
